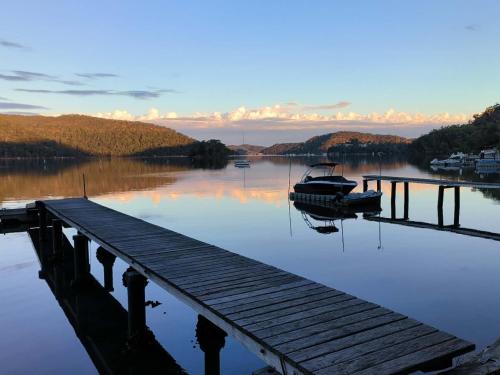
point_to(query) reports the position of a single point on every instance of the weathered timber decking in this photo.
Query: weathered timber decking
(294, 324)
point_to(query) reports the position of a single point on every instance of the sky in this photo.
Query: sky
(272, 71)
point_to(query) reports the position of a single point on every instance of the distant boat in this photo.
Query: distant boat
(328, 184)
(489, 161)
(242, 163)
(458, 159)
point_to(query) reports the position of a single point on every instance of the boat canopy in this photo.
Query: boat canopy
(324, 165)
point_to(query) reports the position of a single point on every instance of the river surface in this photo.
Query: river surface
(447, 280)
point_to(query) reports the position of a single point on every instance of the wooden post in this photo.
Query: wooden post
(407, 200)
(393, 199)
(81, 264)
(211, 339)
(42, 221)
(456, 216)
(107, 260)
(440, 205)
(379, 187)
(365, 185)
(136, 284)
(57, 237)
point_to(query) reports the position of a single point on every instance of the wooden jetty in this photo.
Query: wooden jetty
(443, 184)
(443, 228)
(295, 325)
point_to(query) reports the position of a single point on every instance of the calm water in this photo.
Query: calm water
(447, 280)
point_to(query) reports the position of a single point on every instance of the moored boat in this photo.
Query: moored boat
(489, 161)
(458, 159)
(242, 163)
(327, 184)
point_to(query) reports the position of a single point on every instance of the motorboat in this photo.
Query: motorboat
(242, 163)
(458, 159)
(325, 184)
(489, 161)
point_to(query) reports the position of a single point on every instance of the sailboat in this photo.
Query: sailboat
(242, 163)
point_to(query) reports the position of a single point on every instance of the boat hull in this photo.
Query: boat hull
(324, 188)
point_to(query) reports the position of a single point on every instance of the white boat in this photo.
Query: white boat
(489, 161)
(242, 163)
(458, 159)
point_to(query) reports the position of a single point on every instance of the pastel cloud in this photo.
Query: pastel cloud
(25, 76)
(136, 94)
(290, 116)
(12, 105)
(96, 75)
(10, 44)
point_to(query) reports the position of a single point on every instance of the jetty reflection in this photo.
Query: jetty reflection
(117, 341)
(99, 320)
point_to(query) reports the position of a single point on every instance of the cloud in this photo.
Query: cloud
(96, 75)
(320, 107)
(12, 105)
(9, 44)
(472, 27)
(22, 113)
(2, 98)
(136, 94)
(281, 117)
(25, 76)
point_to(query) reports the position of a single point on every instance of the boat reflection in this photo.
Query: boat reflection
(321, 218)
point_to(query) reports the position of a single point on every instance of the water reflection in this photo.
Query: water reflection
(99, 320)
(438, 277)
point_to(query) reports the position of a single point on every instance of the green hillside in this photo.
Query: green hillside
(324, 143)
(483, 131)
(76, 135)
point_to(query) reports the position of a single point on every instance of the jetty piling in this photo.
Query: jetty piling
(107, 260)
(57, 239)
(81, 263)
(442, 185)
(136, 289)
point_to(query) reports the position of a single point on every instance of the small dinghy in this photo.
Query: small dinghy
(368, 199)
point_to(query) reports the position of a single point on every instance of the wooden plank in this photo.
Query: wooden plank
(216, 275)
(375, 318)
(255, 280)
(235, 278)
(307, 309)
(297, 321)
(303, 301)
(314, 334)
(282, 281)
(387, 354)
(332, 346)
(315, 291)
(274, 296)
(414, 361)
(216, 299)
(361, 349)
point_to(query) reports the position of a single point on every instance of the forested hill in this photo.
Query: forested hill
(76, 135)
(483, 131)
(322, 143)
